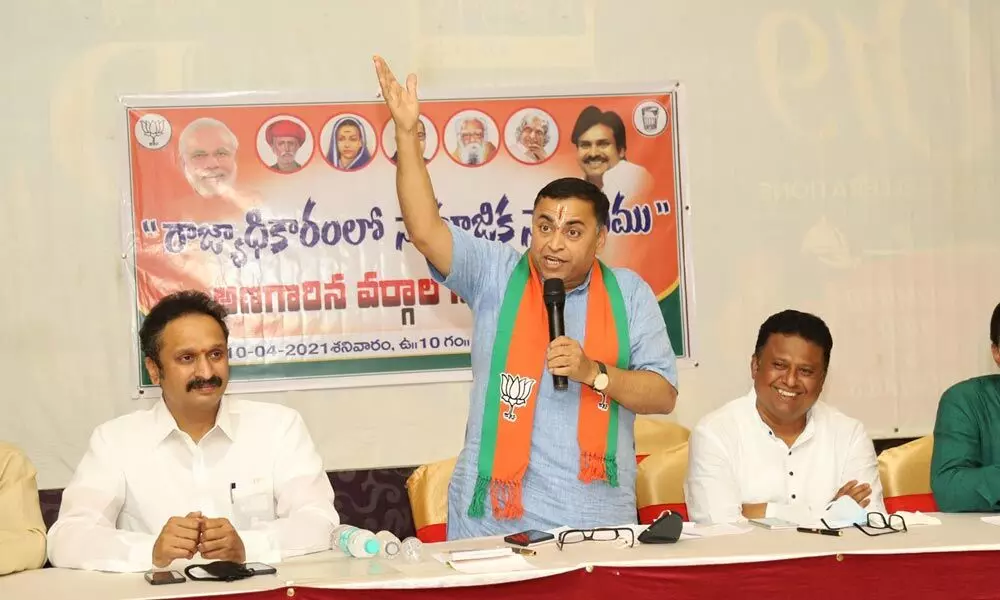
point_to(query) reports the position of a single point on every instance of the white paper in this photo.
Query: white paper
(694, 531)
(473, 554)
(917, 518)
(513, 562)
(992, 520)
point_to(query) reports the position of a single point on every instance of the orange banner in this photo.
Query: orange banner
(287, 214)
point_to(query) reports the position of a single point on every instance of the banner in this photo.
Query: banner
(286, 213)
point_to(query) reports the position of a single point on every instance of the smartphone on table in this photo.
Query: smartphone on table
(529, 538)
(260, 568)
(164, 577)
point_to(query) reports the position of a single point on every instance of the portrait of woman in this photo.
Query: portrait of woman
(349, 144)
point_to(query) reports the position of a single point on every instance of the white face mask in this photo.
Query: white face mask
(844, 512)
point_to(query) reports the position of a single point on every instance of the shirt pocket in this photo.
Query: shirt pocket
(253, 502)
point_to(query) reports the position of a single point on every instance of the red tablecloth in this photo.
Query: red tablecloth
(966, 575)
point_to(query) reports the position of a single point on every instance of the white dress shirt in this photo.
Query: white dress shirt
(735, 459)
(256, 467)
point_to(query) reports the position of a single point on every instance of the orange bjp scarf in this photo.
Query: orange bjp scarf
(516, 368)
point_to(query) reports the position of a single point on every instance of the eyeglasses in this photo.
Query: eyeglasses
(885, 525)
(601, 534)
(878, 521)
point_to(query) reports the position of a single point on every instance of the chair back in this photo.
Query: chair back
(653, 434)
(427, 488)
(659, 483)
(905, 473)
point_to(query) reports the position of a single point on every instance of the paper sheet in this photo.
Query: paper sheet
(474, 554)
(513, 562)
(917, 518)
(694, 531)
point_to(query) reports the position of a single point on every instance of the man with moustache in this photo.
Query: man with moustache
(473, 145)
(285, 137)
(536, 456)
(532, 135)
(198, 474)
(601, 145)
(779, 451)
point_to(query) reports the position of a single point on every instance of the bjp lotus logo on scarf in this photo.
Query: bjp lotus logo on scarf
(603, 403)
(514, 392)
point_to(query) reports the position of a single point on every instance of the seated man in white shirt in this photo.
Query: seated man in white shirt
(198, 474)
(779, 451)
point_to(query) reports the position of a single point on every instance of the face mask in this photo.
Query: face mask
(220, 570)
(844, 512)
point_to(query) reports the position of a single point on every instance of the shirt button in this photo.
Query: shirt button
(793, 496)
(791, 473)
(789, 453)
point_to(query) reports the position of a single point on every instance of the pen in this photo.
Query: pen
(836, 532)
(232, 487)
(524, 551)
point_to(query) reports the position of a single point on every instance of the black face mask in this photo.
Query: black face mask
(666, 529)
(220, 570)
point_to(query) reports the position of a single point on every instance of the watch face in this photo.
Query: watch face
(601, 381)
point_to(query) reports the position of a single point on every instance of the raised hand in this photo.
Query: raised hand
(402, 101)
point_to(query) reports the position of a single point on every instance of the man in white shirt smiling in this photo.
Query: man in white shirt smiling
(198, 474)
(779, 451)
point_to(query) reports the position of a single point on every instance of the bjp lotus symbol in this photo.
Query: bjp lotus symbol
(514, 392)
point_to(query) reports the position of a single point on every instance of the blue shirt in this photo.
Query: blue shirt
(553, 496)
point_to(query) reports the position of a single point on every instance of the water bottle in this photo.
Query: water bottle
(389, 544)
(340, 535)
(359, 543)
(411, 548)
(363, 544)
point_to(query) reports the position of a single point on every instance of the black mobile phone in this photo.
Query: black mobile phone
(261, 568)
(164, 577)
(529, 538)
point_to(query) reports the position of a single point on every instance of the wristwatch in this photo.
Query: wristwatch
(602, 380)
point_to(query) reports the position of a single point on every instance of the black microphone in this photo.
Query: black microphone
(555, 301)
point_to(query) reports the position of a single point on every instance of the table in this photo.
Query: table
(928, 561)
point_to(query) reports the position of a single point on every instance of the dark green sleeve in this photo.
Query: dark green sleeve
(960, 481)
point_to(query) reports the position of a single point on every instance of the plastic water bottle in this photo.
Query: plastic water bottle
(411, 548)
(363, 544)
(359, 543)
(390, 544)
(338, 539)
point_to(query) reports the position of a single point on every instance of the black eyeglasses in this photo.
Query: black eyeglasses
(878, 521)
(601, 534)
(885, 525)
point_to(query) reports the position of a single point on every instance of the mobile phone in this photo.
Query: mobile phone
(164, 577)
(261, 568)
(774, 523)
(532, 537)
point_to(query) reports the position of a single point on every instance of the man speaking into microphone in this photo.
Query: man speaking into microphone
(539, 454)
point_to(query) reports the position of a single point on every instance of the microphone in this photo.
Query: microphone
(554, 293)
